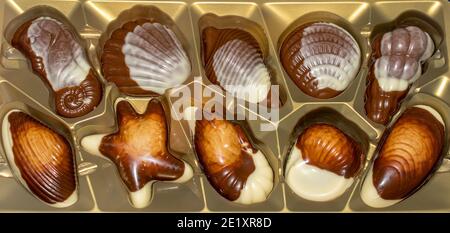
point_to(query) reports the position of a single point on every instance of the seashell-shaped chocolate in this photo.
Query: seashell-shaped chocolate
(59, 59)
(139, 151)
(406, 157)
(144, 58)
(41, 159)
(397, 63)
(233, 59)
(235, 169)
(323, 163)
(321, 58)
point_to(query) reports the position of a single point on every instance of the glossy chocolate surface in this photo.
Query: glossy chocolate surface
(61, 62)
(408, 154)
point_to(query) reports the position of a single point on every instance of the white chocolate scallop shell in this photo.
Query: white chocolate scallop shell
(155, 57)
(241, 71)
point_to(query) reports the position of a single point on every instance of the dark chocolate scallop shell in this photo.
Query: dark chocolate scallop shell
(41, 159)
(327, 147)
(321, 58)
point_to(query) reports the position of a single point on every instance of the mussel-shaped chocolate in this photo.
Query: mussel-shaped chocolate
(323, 163)
(321, 58)
(139, 151)
(235, 169)
(60, 60)
(406, 158)
(144, 58)
(397, 63)
(41, 159)
(233, 59)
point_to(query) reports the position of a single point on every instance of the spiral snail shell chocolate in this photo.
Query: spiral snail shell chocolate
(397, 63)
(139, 150)
(233, 59)
(41, 159)
(405, 159)
(60, 60)
(321, 58)
(234, 168)
(323, 163)
(144, 58)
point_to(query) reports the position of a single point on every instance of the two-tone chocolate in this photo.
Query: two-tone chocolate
(406, 157)
(41, 159)
(61, 61)
(323, 163)
(236, 170)
(321, 58)
(397, 57)
(139, 151)
(144, 57)
(232, 58)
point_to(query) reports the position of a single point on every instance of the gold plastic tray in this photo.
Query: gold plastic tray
(100, 186)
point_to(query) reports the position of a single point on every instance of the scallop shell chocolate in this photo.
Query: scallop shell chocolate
(41, 159)
(232, 59)
(323, 163)
(144, 58)
(321, 58)
(398, 57)
(139, 151)
(406, 158)
(235, 169)
(60, 61)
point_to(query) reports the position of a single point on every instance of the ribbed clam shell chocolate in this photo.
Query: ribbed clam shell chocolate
(323, 163)
(321, 58)
(232, 58)
(139, 151)
(406, 157)
(61, 61)
(235, 169)
(41, 159)
(397, 63)
(144, 58)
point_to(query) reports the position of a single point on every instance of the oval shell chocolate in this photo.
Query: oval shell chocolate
(323, 163)
(236, 170)
(398, 57)
(59, 59)
(144, 57)
(139, 151)
(41, 159)
(232, 58)
(406, 158)
(321, 58)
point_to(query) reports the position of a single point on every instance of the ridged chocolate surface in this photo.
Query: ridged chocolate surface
(74, 96)
(408, 154)
(321, 59)
(139, 147)
(222, 148)
(396, 63)
(44, 158)
(144, 58)
(380, 105)
(232, 58)
(327, 147)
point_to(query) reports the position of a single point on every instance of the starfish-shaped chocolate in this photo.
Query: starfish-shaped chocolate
(139, 151)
